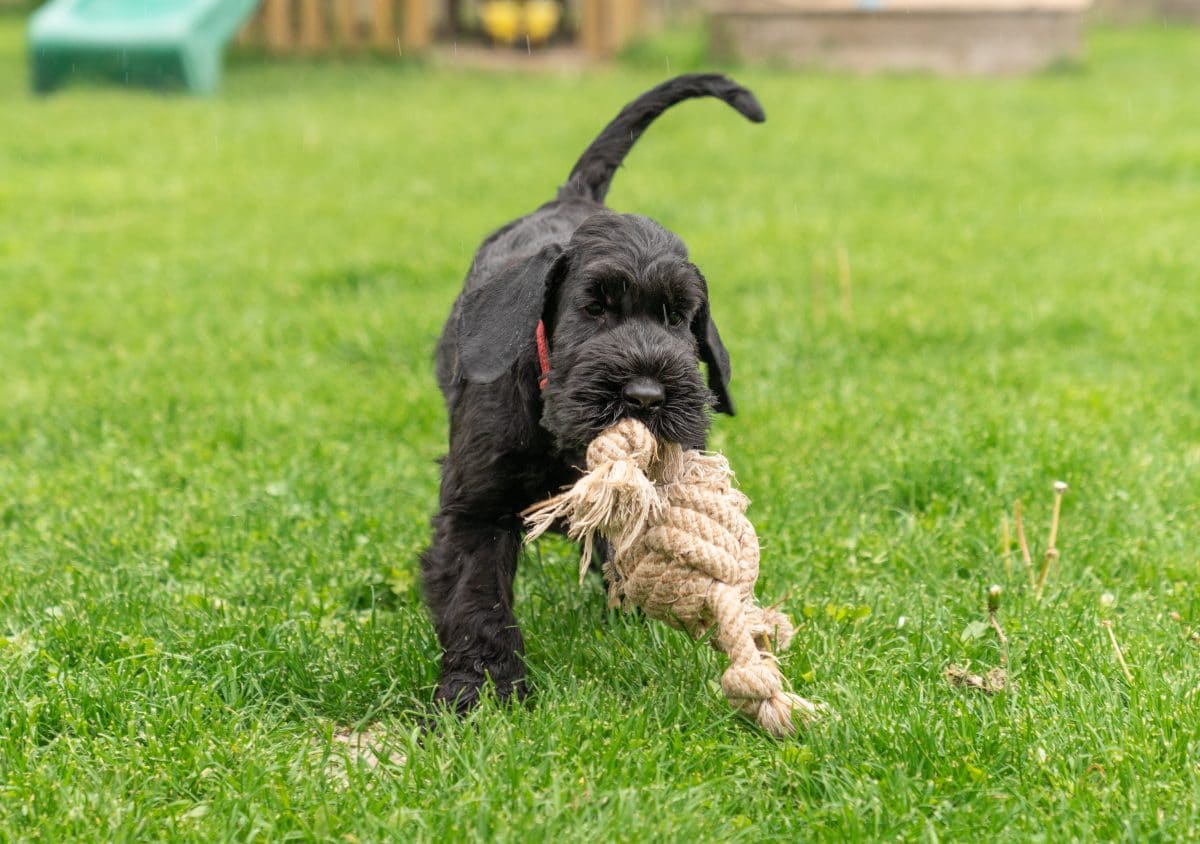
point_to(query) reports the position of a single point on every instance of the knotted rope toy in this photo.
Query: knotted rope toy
(683, 551)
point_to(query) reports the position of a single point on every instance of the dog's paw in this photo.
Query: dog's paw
(459, 690)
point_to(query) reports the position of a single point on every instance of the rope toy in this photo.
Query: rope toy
(683, 551)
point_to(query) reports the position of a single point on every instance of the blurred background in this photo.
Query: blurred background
(180, 42)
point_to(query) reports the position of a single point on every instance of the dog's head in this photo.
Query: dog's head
(627, 321)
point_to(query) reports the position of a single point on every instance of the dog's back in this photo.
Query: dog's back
(581, 196)
(571, 318)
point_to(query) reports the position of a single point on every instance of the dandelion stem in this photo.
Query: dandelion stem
(1024, 545)
(1006, 544)
(1051, 557)
(1112, 637)
(993, 607)
(1059, 489)
(1003, 639)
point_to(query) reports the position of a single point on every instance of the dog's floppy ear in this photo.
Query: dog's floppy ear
(712, 351)
(499, 319)
(715, 357)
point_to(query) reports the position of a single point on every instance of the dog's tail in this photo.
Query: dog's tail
(594, 170)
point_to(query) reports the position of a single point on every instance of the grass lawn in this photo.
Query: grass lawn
(218, 427)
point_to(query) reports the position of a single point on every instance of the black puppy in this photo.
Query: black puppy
(571, 318)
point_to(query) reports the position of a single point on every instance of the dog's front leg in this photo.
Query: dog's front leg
(468, 574)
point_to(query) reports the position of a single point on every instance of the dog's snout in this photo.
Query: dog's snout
(643, 393)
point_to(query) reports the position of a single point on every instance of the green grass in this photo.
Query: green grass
(218, 427)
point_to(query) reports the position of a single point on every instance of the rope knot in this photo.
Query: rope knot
(683, 551)
(627, 441)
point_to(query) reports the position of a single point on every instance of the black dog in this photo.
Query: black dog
(571, 318)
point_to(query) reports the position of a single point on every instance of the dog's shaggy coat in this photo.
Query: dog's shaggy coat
(627, 321)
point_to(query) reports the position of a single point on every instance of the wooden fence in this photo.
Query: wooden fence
(325, 26)
(606, 25)
(330, 26)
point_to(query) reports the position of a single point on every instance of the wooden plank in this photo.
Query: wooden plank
(251, 33)
(417, 24)
(784, 7)
(591, 26)
(277, 23)
(383, 25)
(317, 26)
(633, 21)
(984, 42)
(345, 24)
(621, 24)
(312, 26)
(607, 25)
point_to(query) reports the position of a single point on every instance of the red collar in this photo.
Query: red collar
(543, 350)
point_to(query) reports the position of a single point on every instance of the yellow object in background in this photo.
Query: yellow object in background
(501, 20)
(541, 19)
(505, 21)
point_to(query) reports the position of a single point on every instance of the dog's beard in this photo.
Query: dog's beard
(584, 400)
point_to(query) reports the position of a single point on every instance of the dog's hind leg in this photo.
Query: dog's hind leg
(468, 574)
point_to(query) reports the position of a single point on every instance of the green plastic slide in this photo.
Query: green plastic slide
(160, 43)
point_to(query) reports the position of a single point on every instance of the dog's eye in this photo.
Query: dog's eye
(594, 309)
(674, 316)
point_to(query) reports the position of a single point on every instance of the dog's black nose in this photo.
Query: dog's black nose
(643, 394)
